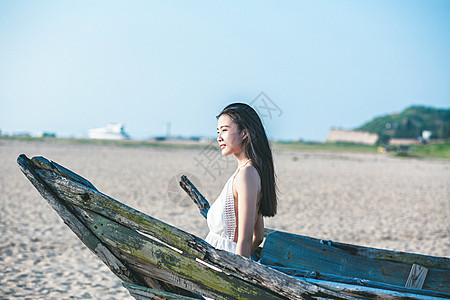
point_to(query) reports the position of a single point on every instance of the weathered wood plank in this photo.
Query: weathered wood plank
(67, 213)
(82, 232)
(298, 252)
(431, 262)
(42, 162)
(86, 218)
(143, 293)
(196, 196)
(357, 282)
(370, 292)
(171, 266)
(87, 198)
(416, 277)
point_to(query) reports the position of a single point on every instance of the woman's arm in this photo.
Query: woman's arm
(247, 184)
(258, 234)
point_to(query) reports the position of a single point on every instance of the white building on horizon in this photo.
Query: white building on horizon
(113, 131)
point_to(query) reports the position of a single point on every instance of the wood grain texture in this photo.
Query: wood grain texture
(196, 196)
(157, 260)
(416, 277)
(142, 293)
(82, 232)
(31, 168)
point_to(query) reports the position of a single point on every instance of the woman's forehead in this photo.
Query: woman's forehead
(225, 120)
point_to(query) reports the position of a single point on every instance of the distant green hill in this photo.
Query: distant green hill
(410, 123)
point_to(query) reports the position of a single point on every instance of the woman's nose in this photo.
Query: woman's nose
(219, 137)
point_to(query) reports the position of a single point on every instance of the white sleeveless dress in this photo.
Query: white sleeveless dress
(221, 218)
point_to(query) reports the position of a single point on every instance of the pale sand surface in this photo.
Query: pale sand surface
(367, 199)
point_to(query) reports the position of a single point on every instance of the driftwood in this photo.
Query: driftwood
(157, 260)
(196, 196)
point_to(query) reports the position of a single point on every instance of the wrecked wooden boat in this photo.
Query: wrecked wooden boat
(155, 260)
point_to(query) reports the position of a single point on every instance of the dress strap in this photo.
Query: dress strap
(240, 167)
(244, 163)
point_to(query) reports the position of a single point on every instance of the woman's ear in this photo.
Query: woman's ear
(244, 134)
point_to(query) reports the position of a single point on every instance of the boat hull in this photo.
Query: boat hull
(153, 258)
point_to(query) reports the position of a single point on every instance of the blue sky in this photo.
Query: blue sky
(67, 66)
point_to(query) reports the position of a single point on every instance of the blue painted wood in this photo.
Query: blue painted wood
(370, 292)
(301, 274)
(309, 254)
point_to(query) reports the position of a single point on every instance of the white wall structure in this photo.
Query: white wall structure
(351, 136)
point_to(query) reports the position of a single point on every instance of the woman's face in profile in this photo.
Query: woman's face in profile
(228, 136)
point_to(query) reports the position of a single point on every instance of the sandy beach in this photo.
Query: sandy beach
(373, 200)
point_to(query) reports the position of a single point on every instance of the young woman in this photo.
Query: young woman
(235, 219)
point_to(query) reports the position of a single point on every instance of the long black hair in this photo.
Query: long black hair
(257, 149)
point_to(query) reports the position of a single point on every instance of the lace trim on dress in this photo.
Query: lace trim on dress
(230, 217)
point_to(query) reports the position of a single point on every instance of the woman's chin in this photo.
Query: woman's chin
(225, 152)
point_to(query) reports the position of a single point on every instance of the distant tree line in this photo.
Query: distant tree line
(410, 123)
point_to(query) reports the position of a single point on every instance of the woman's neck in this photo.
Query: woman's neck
(241, 158)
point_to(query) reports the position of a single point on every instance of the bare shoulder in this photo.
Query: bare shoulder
(248, 175)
